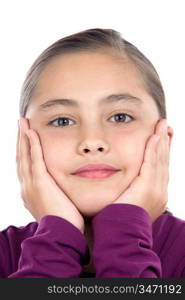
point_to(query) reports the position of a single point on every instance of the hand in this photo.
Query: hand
(149, 189)
(39, 191)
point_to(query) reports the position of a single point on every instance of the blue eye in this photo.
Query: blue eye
(121, 117)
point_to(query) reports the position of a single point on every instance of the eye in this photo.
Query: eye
(61, 122)
(121, 117)
(64, 121)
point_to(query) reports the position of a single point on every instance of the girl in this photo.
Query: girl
(92, 160)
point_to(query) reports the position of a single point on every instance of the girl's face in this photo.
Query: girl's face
(90, 121)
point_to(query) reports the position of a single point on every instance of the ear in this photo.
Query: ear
(170, 134)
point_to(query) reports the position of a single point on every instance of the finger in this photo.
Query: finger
(37, 159)
(17, 143)
(151, 154)
(24, 158)
(150, 157)
(161, 130)
(162, 168)
(163, 147)
(17, 153)
(167, 147)
(162, 164)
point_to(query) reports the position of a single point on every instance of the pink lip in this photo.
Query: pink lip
(96, 171)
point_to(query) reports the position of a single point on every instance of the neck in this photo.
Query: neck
(89, 237)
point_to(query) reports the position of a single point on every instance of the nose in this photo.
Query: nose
(93, 144)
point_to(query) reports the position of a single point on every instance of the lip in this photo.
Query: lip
(96, 170)
(96, 173)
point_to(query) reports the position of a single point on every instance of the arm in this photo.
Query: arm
(56, 249)
(123, 243)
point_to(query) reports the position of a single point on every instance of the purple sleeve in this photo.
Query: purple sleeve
(123, 243)
(56, 249)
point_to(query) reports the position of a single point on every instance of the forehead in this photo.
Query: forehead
(91, 76)
(89, 68)
(85, 70)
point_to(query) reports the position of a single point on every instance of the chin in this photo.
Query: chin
(89, 212)
(90, 207)
(92, 197)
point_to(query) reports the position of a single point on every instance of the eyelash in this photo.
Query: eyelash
(65, 118)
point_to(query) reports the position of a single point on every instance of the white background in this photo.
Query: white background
(156, 27)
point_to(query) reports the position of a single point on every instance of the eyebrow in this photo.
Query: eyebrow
(127, 98)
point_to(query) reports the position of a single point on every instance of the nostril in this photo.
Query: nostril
(86, 150)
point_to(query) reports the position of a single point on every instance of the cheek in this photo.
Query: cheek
(131, 152)
(56, 153)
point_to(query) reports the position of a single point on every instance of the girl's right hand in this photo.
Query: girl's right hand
(39, 191)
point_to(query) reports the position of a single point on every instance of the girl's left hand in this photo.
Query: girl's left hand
(149, 189)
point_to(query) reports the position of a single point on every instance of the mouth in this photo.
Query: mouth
(93, 174)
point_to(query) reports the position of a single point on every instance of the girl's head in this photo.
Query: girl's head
(93, 97)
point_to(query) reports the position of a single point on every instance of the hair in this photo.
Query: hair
(92, 40)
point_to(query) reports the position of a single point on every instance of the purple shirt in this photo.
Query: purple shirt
(126, 244)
